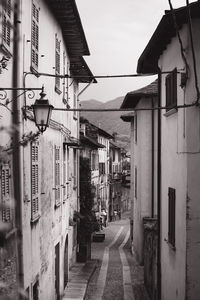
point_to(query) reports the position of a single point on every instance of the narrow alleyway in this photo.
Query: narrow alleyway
(118, 276)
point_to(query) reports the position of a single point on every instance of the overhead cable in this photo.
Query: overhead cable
(123, 109)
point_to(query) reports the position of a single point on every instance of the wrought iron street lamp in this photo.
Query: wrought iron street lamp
(42, 112)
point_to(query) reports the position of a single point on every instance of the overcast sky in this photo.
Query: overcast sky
(117, 32)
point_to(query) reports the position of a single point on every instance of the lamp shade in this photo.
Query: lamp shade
(42, 112)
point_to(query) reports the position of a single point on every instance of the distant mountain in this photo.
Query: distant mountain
(109, 121)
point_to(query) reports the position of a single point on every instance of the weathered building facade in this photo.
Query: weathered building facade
(48, 191)
(174, 56)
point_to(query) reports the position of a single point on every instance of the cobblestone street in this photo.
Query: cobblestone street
(118, 275)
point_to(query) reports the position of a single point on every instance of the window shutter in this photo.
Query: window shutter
(135, 182)
(6, 24)
(171, 90)
(57, 62)
(57, 175)
(34, 181)
(6, 193)
(35, 36)
(171, 215)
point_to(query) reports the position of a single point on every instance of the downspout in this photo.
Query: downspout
(159, 190)
(17, 174)
(152, 159)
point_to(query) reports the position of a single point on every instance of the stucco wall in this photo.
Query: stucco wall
(143, 163)
(173, 174)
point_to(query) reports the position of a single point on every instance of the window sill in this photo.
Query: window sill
(171, 112)
(35, 219)
(170, 245)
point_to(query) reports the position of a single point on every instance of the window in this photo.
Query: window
(5, 193)
(75, 101)
(75, 167)
(6, 24)
(171, 215)
(171, 90)
(64, 174)
(34, 181)
(135, 182)
(35, 290)
(57, 64)
(101, 168)
(135, 128)
(94, 161)
(57, 176)
(35, 37)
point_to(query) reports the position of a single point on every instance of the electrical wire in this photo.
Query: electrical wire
(124, 109)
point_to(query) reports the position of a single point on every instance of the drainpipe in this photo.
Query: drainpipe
(17, 174)
(159, 189)
(152, 159)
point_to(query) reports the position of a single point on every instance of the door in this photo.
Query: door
(57, 271)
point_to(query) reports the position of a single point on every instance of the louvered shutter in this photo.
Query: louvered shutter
(35, 36)
(171, 215)
(34, 181)
(6, 193)
(57, 62)
(171, 90)
(57, 175)
(6, 24)
(64, 174)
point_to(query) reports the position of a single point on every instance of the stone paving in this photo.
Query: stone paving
(113, 272)
(124, 277)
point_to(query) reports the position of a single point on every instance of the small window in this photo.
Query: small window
(57, 64)
(34, 181)
(171, 90)
(171, 215)
(35, 37)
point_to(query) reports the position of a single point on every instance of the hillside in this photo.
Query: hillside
(109, 121)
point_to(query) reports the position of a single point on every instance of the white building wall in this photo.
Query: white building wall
(41, 237)
(143, 162)
(174, 174)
